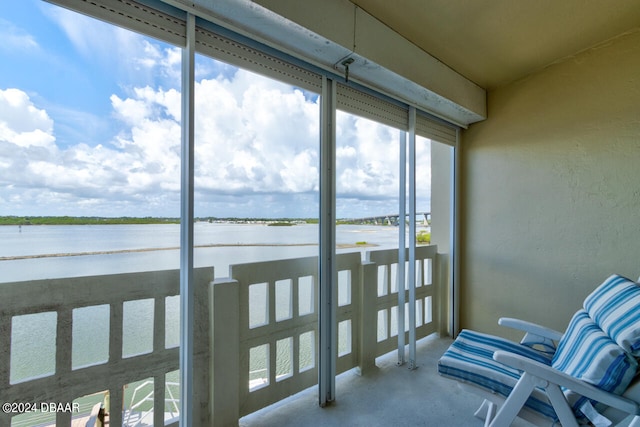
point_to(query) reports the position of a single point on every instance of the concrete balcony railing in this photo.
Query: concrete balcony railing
(256, 335)
(61, 306)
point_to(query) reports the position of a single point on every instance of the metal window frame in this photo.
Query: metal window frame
(412, 241)
(184, 26)
(402, 247)
(328, 276)
(187, 293)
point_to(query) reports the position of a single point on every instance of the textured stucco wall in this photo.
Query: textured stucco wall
(551, 189)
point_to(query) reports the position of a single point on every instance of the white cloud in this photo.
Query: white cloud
(21, 123)
(257, 144)
(367, 159)
(254, 135)
(127, 55)
(153, 57)
(38, 171)
(257, 140)
(88, 35)
(15, 38)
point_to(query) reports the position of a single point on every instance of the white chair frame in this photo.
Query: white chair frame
(536, 374)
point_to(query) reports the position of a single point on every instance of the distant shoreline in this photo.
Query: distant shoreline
(70, 220)
(211, 245)
(13, 220)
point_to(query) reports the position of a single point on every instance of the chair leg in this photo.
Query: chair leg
(518, 396)
(486, 412)
(560, 405)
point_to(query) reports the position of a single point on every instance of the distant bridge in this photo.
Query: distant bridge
(392, 219)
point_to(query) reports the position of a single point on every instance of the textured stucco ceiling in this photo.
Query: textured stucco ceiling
(494, 42)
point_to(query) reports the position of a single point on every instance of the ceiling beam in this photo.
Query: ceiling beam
(326, 33)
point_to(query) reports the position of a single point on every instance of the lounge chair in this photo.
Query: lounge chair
(586, 375)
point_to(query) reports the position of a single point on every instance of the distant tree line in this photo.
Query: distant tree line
(82, 220)
(95, 220)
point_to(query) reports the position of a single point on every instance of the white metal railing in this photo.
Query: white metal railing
(61, 298)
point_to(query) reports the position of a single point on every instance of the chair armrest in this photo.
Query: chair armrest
(554, 376)
(530, 327)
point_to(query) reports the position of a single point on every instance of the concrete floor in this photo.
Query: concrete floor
(392, 396)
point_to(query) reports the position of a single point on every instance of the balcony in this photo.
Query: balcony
(256, 341)
(389, 396)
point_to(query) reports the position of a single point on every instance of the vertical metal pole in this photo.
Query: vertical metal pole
(412, 238)
(454, 303)
(402, 246)
(186, 228)
(327, 353)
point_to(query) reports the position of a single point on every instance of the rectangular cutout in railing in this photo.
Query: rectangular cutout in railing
(394, 277)
(258, 367)
(393, 328)
(419, 276)
(172, 321)
(428, 310)
(91, 408)
(383, 280)
(90, 342)
(428, 271)
(284, 358)
(172, 396)
(307, 351)
(33, 346)
(138, 407)
(284, 298)
(258, 305)
(419, 316)
(344, 337)
(383, 324)
(306, 295)
(344, 288)
(137, 327)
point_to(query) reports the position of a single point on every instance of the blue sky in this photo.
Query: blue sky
(90, 125)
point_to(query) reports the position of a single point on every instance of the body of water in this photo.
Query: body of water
(42, 252)
(82, 250)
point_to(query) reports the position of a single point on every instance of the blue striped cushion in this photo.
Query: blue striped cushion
(615, 307)
(587, 353)
(470, 359)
